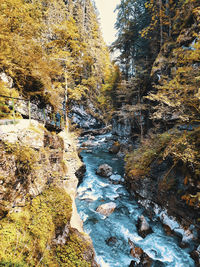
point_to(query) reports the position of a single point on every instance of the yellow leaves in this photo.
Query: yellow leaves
(21, 18)
(78, 92)
(197, 95)
(185, 148)
(40, 41)
(180, 92)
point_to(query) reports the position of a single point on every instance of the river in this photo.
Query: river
(110, 234)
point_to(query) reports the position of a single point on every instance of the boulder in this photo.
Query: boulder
(132, 264)
(25, 132)
(139, 254)
(6, 79)
(136, 252)
(104, 170)
(195, 255)
(87, 143)
(106, 209)
(111, 241)
(168, 230)
(116, 178)
(114, 149)
(80, 173)
(143, 227)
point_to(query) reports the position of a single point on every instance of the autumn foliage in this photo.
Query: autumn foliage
(48, 46)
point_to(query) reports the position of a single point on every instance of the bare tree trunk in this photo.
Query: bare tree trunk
(140, 117)
(161, 24)
(168, 14)
(65, 103)
(84, 5)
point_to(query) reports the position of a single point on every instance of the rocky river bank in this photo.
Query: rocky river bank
(127, 230)
(39, 223)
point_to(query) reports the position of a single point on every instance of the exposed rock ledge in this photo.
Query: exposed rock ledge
(73, 163)
(32, 134)
(38, 188)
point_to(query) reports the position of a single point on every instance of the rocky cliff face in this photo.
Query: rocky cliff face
(162, 184)
(164, 169)
(39, 221)
(127, 124)
(85, 115)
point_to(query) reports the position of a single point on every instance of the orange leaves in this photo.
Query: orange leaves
(185, 180)
(136, 173)
(191, 200)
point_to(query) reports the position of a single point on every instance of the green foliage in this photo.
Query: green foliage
(10, 264)
(134, 49)
(28, 235)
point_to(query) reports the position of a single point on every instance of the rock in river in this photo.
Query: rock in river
(111, 241)
(195, 254)
(116, 178)
(143, 227)
(114, 149)
(88, 143)
(104, 170)
(106, 209)
(139, 254)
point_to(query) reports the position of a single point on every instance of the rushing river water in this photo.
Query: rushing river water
(121, 224)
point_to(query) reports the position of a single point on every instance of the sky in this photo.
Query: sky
(107, 18)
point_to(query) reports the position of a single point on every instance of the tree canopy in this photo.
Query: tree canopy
(45, 45)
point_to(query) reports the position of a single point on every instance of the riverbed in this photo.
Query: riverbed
(110, 234)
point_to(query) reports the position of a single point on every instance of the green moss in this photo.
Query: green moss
(71, 254)
(11, 264)
(26, 237)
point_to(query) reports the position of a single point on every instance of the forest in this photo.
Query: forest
(148, 97)
(159, 60)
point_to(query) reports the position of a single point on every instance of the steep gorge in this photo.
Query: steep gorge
(54, 58)
(159, 116)
(53, 63)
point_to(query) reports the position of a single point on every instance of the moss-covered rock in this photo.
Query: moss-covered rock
(28, 238)
(37, 203)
